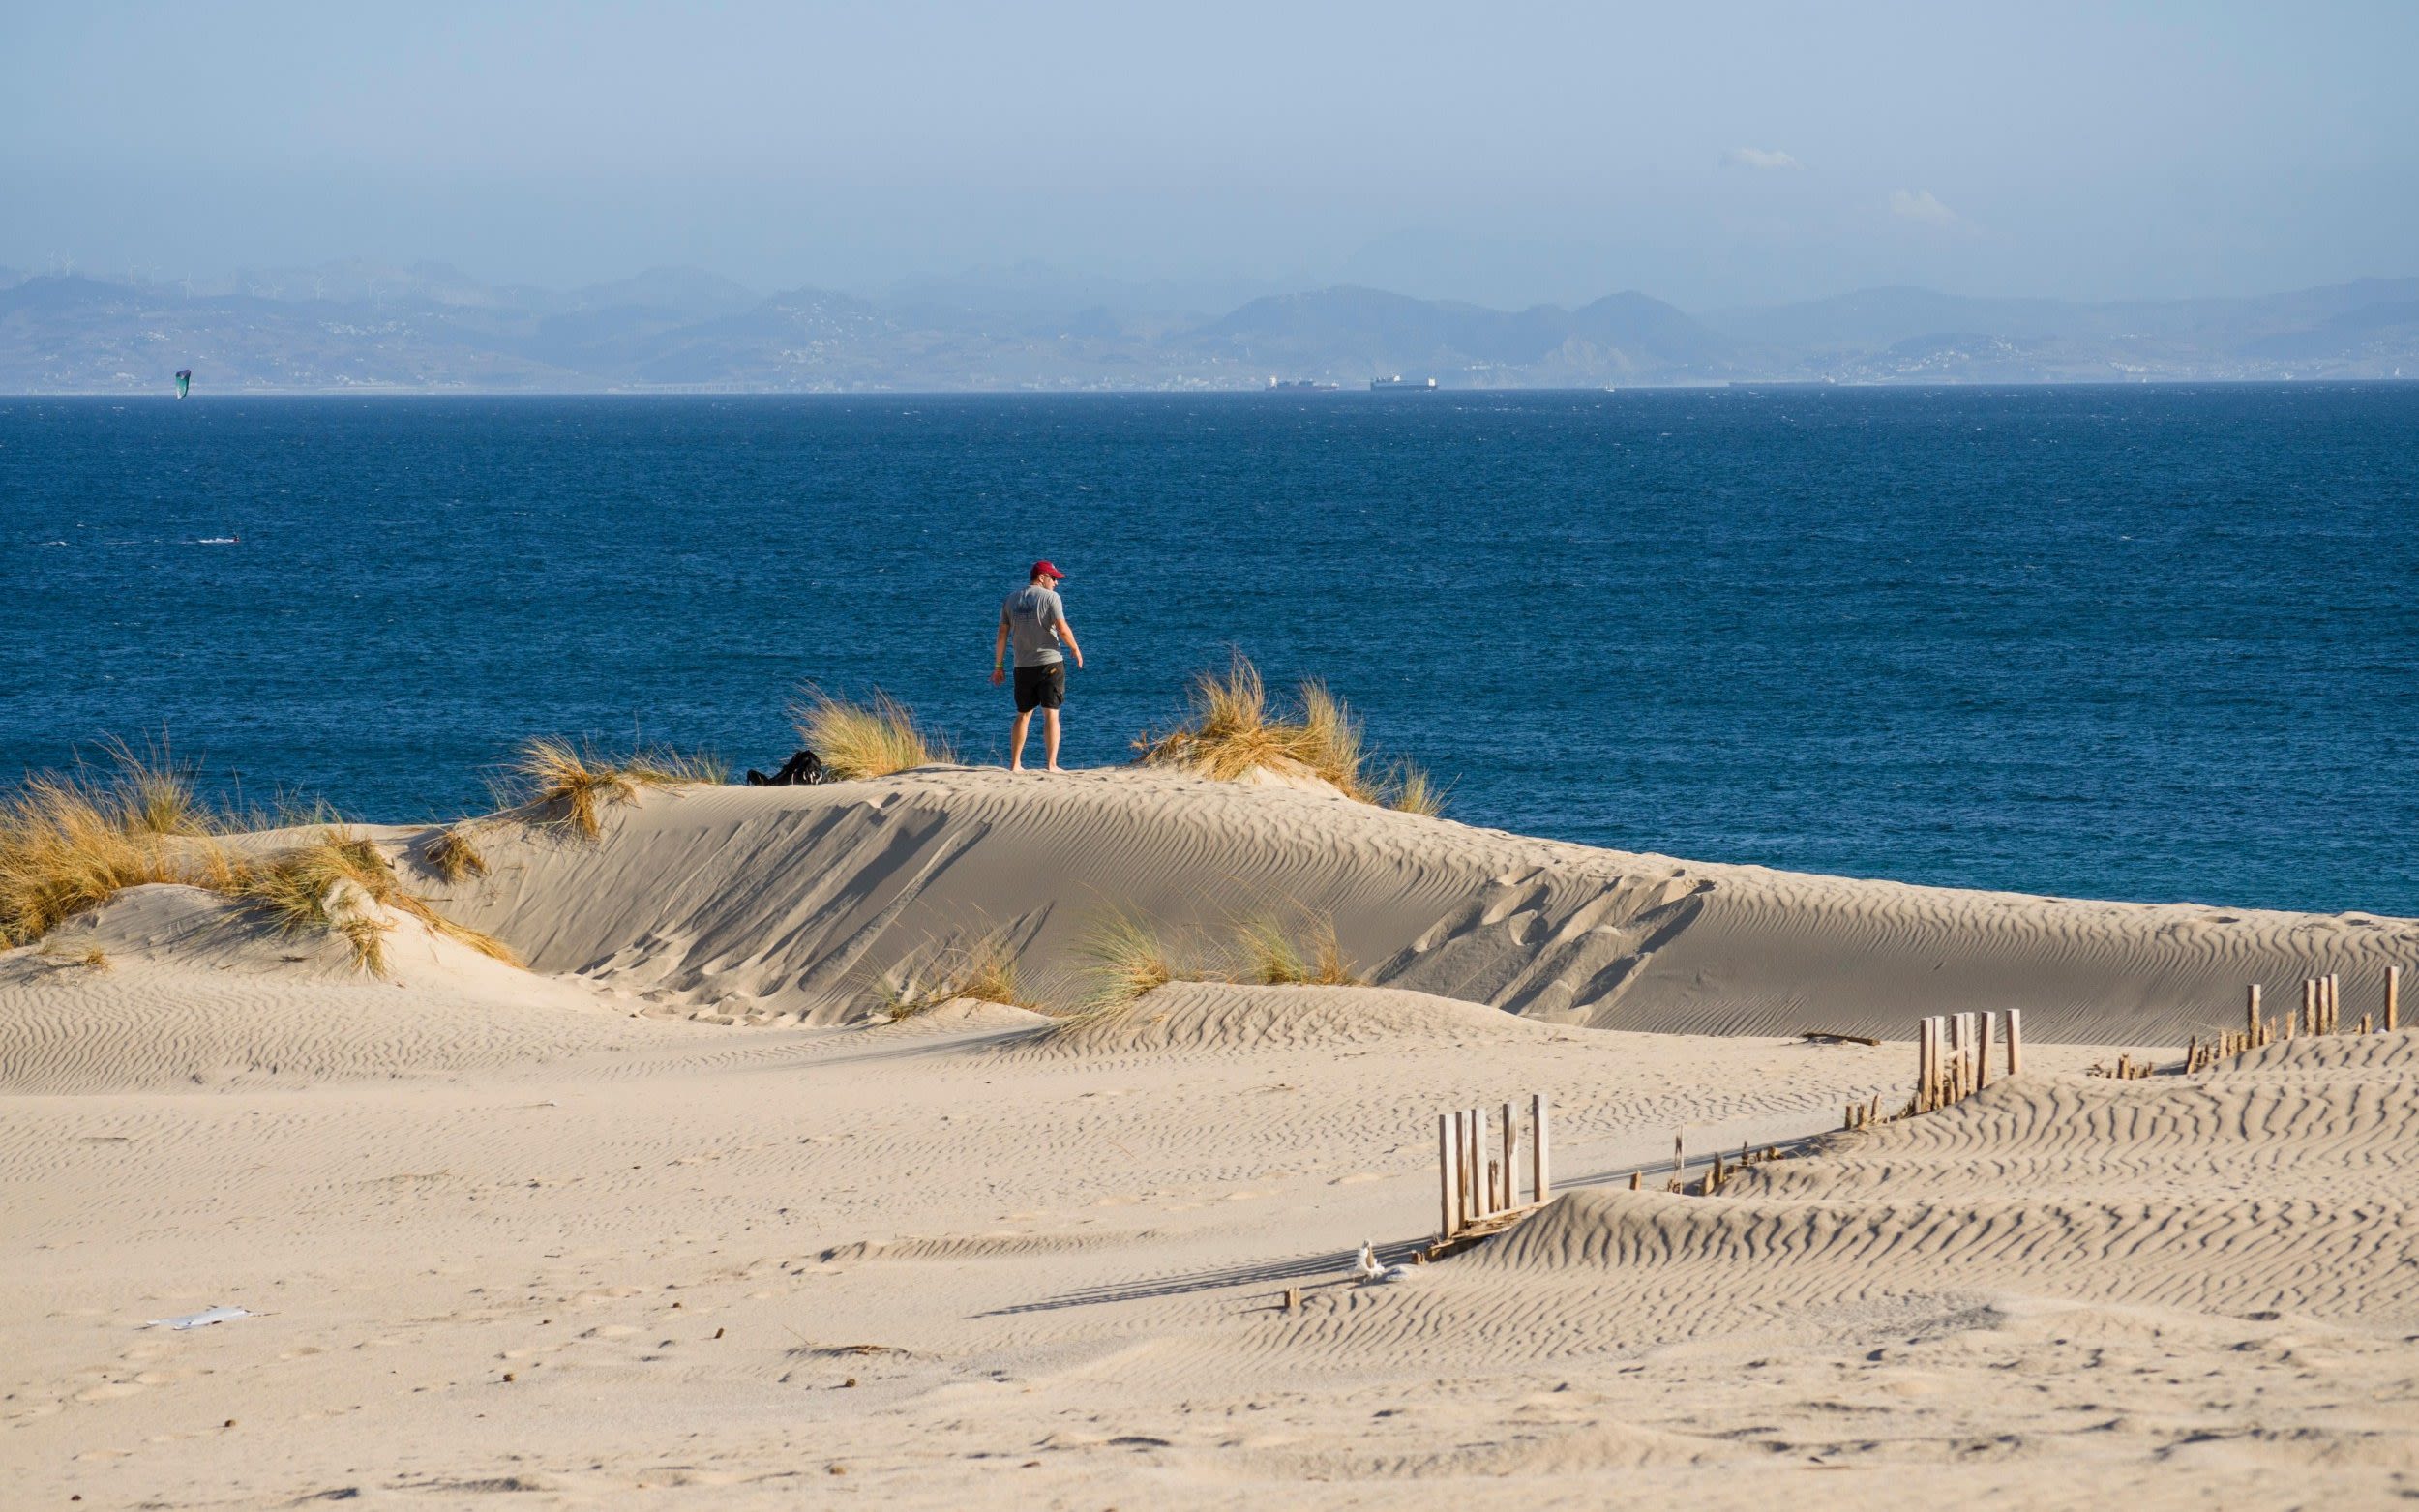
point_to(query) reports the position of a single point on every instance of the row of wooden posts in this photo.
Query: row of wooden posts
(2321, 1013)
(1716, 1175)
(1479, 1155)
(1479, 1161)
(1952, 1050)
(1953, 1054)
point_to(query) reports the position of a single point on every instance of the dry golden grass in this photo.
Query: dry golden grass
(1125, 960)
(68, 845)
(1269, 952)
(578, 785)
(1412, 791)
(659, 767)
(154, 791)
(1271, 957)
(1232, 731)
(554, 774)
(985, 970)
(323, 888)
(455, 855)
(325, 884)
(857, 740)
(91, 958)
(1329, 741)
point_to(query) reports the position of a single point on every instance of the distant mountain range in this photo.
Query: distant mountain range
(355, 327)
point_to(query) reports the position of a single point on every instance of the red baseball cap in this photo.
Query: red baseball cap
(1043, 569)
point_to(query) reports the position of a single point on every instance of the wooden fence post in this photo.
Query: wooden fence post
(1468, 1183)
(1484, 1133)
(1445, 1174)
(2392, 998)
(1510, 1160)
(1481, 1129)
(2015, 1042)
(1541, 1177)
(1474, 1138)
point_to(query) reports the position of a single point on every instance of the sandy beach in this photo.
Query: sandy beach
(671, 1216)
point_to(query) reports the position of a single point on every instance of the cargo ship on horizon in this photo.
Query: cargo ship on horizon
(1398, 381)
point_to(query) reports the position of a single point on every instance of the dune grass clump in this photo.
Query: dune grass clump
(69, 843)
(455, 855)
(872, 739)
(985, 971)
(577, 783)
(324, 885)
(662, 767)
(1126, 959)
(1412, 790)
(1327, 740)
(320, 888)
(154, 791)
(1232, 731)
(1271, 957)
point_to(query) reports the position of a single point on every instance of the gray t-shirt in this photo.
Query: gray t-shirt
(1034, 616)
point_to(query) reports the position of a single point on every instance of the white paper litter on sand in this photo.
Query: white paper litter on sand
(202, 1320)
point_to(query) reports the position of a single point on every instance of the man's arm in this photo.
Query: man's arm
(1067, 632)
(1000, 650)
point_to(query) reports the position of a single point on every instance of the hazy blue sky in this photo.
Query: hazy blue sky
(1718, 154)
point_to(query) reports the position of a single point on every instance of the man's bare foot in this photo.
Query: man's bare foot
(1016, 769)
(1055, 769)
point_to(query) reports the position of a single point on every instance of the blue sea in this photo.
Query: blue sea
(2129, 643)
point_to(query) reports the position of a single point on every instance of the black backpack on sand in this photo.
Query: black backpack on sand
(803, 770)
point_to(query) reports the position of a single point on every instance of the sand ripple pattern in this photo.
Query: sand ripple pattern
(196, 993)
(2288, 1187)
(1194, 1019)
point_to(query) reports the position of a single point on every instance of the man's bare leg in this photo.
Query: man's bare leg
(1050, 738)
(1016, 741)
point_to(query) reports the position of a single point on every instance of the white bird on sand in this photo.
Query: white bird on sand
(1373, 1274)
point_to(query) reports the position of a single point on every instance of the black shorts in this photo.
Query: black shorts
(1040, 686)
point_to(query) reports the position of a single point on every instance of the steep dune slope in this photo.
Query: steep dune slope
(792, 901)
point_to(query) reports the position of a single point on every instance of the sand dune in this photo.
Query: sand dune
(192, 992)
(765, 903)
(1211, 1017)
(541, 1231)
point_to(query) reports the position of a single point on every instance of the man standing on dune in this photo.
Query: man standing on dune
(1034, 618)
